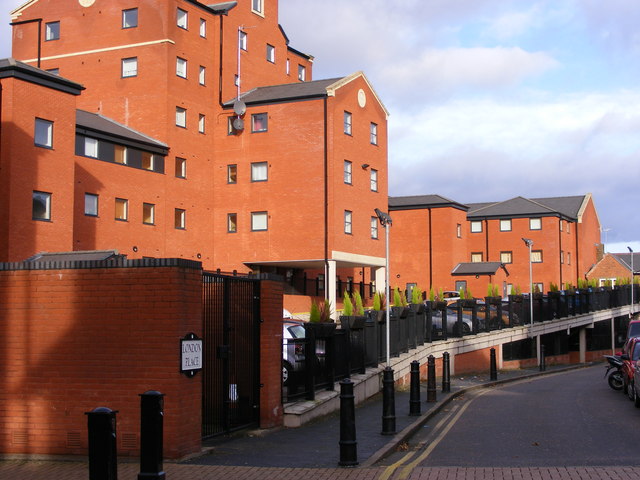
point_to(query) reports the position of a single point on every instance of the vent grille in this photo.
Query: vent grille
(20, 437)
(129, 441)
(73, 439)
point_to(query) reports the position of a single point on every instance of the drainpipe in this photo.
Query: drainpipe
(39, 20)
(486, 237)
(430, 252)
(560, 244)
(326, 203)
(220, 56)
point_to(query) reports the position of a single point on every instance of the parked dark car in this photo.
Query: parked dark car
(630, 356)
(293, 343)
(453, 327)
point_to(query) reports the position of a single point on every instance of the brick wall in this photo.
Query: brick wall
(271, 354)
(77, 339)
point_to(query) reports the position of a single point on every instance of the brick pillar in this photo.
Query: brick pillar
(271, 411)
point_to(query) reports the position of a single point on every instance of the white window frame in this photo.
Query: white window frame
(254, 118)
(129, 67)
(374, 228)
(348, 172)
(202, 75)
(374, 180)
(91, 204)
(181, 117)
(259, 171)
(203, 28)
(148, 213)
(232, 222)
(180, 217)
(43, 133)
(181, 67)
(536, 256)
(148, 161)
(259, 221)
(257, 6)
(348, 222)
(506, 257)
(181, 167)
(201, 123)
(91, 147)
(348, 122)
(45, 199)
(271, 53)
(182, 19)
(505, 225)
(232, 174)
(535, 223)
(242, 39)
(124, 154)
(127, 19)
(476, 226)
(302, 73)
(373, 133)
(51, 31)
(125, 209)
(476, 257)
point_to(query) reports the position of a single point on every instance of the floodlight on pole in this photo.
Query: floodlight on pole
(529, 243)
(385, 221)
(631, 306)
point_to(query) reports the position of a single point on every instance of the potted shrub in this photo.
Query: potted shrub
(466, 299)
(320, 320)
(379, 305)
(399, 308)
(436, 300)
(350, 319)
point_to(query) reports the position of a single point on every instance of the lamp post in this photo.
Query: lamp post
(631, 306)
(385, 221)
(529, 243)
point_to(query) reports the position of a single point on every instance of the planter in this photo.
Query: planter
(417, 307)
(437, 305)
(378, 315)
(352, 322)
(320, 329)
(468, 303)
(400, 312)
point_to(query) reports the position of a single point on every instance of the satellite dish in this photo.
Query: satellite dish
(239, 107)
(238, 124)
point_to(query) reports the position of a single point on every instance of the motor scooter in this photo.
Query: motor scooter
(615, 378)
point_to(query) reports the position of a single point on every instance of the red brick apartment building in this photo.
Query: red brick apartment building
(440, 243)
(187, 130)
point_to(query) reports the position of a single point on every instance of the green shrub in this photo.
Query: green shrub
(357, 300)
(347, 310)
(416, 295)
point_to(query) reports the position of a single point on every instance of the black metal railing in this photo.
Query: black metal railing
(349, 350)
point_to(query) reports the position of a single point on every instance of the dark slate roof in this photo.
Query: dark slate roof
(625, 260)
(95, 125)
(286, 92)
(423, 201)
(222, 8)
(565, 207)
(80, 256)
(10, 67)
(477, 268)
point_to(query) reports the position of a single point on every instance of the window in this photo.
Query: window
(560, 225)
(232, 222)
(459, 230)
(259, 172)
(320, 282)
(288, 67)
(347, 171)
(201, 119)
(182, 19)
(202, 75)
(242, 40)
(148, 161)
(536, 256)
(258, 122)
(476, 257)
(568, 258)
(374, 134)
(347, 123)
(122, 209)
(52, 31)
(203, 28)
(130, 18)
(236, 80)
(535, 224)
(181, 167)
(43, 135)
(537, 288)
(271, 53)
(302, 73)
(505, 225)
(148, 213)
(258, 221)
(91, 147)
(235, 125)
(181, 67)
(91, 204)
(374, 227)
(232, 174)
(348, 214)
(179, 218)
(120, 154)
(374, 180)
(561, 256)
(129, 67)
(568, 227)
(506, 257)
(257, 6)
(41, 209)
(476, 227)
(181, 117)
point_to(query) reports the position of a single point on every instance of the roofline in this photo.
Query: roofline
(331, 89)
(424, 205)
(28, 73)
(302, 54)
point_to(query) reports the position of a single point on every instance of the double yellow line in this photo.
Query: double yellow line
(450, 420)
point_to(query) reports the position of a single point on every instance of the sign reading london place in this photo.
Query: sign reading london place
(190, 354)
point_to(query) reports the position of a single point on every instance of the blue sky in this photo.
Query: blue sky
(490, 99)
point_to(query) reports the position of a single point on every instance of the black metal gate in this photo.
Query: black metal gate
(231, 371)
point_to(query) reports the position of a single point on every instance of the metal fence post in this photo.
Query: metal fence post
(493, 371)
(151, 435)
(414, 394)
(102, 444)
(543, 365)
(431, 379)
(348, 443)
(446, 373)
(388, 403)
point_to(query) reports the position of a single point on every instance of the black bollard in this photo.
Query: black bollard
(493, 371)
(348, 443)
(543, 365)
(446, 373)
(388, 403)
(151, 423)
(103, 456)
(431, 379)
(414, 392)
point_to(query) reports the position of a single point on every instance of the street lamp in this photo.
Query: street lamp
(529, 243)
(631, 306)
(385, 221)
